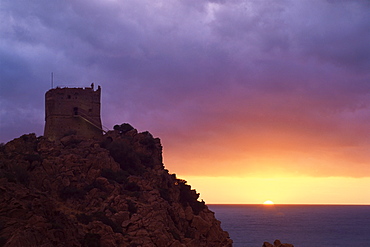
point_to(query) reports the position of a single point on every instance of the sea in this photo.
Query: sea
(300, 225)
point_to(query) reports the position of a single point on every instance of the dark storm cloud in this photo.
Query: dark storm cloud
(294, 67)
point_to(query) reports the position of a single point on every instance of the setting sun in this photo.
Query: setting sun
(268, 202)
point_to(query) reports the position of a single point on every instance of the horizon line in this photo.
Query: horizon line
(301, 204)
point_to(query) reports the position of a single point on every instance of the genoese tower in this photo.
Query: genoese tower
(72, 111)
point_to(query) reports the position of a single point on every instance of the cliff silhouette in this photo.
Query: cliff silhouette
(111, 191)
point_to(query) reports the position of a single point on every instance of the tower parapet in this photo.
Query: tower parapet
(72, 111)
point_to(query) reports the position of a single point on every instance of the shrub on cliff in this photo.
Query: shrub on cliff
(22, 175)
(17, 174)
(165, 194)
(91, 240)
(123, 128)
(71, 192)
(132, 208)
(148, 140)
(132, 187)
(84, 218)
(190, 197)
(2, 241)
(100, 216)
(33, 157)
(124, 154)
(119, 176)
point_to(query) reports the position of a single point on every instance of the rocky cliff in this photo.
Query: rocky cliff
(109, 192)
(277, 243)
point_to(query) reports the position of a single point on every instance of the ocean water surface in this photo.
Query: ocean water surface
(300, 225)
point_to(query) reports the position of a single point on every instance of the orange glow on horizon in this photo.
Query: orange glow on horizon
(281, 190)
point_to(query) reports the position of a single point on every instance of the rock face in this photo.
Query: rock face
(277, 243)
(109, 192)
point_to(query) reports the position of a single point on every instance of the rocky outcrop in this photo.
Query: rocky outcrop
(109, 192)
(277, 243)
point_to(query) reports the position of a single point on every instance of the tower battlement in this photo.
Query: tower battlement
(72, 111)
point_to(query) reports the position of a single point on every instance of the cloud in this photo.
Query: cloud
(218, 81)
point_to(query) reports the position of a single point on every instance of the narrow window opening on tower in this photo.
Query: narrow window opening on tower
(69, 96)
(75, 110)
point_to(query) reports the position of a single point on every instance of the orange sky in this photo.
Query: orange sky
(231, 182)
(282, 190)
(291, 166)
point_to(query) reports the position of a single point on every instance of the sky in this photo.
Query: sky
(252, 100)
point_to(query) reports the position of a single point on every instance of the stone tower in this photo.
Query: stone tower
(72, 111)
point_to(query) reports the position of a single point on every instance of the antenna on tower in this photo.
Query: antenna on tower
(52, 80)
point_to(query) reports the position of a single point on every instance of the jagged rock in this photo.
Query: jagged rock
(109, 192)
(277, 243)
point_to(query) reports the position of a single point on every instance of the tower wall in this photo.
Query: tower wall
(72, 111)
